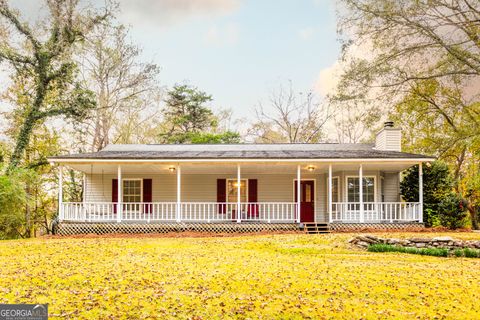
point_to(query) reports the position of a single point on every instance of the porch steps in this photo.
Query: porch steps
(316, 228)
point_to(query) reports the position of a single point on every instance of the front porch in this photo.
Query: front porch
(255, 192)
(274, 212)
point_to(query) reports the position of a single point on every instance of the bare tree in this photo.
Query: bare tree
(390, 46)
(290, 118)
(353, 123)
(140, 124)
(411, 40)
(124, 86)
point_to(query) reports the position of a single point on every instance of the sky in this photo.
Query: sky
(236, 50)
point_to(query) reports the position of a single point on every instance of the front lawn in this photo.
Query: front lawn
(268, 276)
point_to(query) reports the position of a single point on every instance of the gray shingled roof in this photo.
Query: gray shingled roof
(243, 151)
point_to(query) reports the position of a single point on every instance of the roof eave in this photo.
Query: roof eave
(126, 160)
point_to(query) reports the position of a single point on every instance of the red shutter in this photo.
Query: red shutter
(252, 190)
(147, 194)
(114, 194)
(221, 194)
(252, 197)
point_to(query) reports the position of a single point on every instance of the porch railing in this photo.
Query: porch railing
(375, 211)
(249, 211)
(185, 211)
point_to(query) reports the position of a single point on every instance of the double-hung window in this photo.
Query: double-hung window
(132, 190)
(353, 189)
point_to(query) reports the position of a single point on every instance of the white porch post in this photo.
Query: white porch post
(360, 180)
(239, 182)
(420, 191)
(179, 193)
(330, 197)
(84, 188)
(119, 194)
(298, 192)
(60, 193)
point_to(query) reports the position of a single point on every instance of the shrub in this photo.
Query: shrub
(13, 200)
(458, 253)
(470, 253)
(437, 252)
(380, 247)
(452, 211)
(437, 183)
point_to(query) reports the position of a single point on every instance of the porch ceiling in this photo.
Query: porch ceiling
(229, 168)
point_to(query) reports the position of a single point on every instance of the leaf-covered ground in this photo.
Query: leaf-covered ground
(268, 276)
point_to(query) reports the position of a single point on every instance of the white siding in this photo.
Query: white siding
(389, 139)
(391, 187)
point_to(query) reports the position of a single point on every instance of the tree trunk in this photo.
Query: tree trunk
(473, 216)
(31, 118)
(23, 140)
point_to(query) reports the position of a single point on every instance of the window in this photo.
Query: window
(308, 193)
(232, 186)
(353, 189)
(335, 189)
(132, 190)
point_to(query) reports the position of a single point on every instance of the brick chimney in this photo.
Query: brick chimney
(389, 138)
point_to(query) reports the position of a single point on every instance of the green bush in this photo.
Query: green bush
(380, 247)
(452, 211)
(13, 200)
(458, 253)
(437, 183)
(437, 252)
(467, 253)
(470, 253)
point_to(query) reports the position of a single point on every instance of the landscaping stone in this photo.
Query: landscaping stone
(363, 244)
(363, 241)
(420, 240)
(442, 239)
(373, 238)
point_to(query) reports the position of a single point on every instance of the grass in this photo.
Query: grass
(436, 252)
(272, 276)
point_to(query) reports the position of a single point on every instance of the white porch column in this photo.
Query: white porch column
(119, 194)
(330, 197)
(60, 193)
(84, 188)
(420, 191)
(360, 181)
(298, 192)
(179, 193)
(239, 188)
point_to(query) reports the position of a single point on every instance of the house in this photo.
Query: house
(244, 184)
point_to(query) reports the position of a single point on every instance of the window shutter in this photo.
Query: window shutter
(221, 194)
(252, 197)
(114, 194)
(147, 194)
(252, 190)
(147, 190)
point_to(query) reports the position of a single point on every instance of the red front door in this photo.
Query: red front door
(307, 203)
